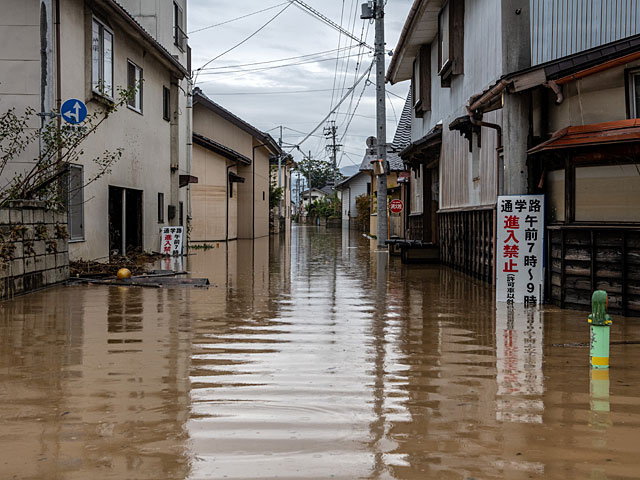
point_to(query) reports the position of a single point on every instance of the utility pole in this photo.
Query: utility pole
(280, 178)
(381, 120)
(330, 132)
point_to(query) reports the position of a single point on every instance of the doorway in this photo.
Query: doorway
(125, 220)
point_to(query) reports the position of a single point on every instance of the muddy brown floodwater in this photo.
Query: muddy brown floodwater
(309, 358)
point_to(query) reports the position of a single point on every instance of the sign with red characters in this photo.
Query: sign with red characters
(520, 242)
(171, 241)
(396, 206)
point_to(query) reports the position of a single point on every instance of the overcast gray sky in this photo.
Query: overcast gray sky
(268, 97)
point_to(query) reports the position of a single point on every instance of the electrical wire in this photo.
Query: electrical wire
(252, 64)
(274, 67)
(237, 18)
(242, 42)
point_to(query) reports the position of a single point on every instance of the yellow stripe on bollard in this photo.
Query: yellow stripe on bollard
(600, 361)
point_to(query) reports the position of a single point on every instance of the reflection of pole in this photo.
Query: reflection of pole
(600, 417)
(377, 427)
(381, 120)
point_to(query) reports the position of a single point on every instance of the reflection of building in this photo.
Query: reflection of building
(102, 384)
(231, 161)
(88, 51)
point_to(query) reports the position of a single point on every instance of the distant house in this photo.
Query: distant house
(231, 161)
(281, 169)
(350, 189)
(309, 196)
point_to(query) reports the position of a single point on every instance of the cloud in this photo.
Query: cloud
(256, 96)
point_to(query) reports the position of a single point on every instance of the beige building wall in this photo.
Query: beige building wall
(145, 138)
(209, 198)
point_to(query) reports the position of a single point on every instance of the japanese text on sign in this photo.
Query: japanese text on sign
(171, 240)
(519, 272)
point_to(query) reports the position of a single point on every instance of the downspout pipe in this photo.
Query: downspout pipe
(229, 167)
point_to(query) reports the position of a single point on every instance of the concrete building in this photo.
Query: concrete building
(231, 162)
(518, 97)
(51, 51)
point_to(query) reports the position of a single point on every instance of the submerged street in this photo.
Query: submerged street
(309, 357)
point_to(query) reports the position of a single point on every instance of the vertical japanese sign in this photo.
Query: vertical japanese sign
(172, 241)
(520, 239)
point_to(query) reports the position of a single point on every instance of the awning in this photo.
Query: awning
(432, 139)
(233, 178)
(609, 133)
(187, 179)
(404, 177)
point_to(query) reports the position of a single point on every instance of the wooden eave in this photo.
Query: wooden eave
(599, 134)
(420, 28)
(220, 149)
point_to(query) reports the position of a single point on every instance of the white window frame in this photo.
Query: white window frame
(78, 200)
(137, 83)
(99, 59)
(634, 93)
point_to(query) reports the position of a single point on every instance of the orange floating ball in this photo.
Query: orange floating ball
(124, 273)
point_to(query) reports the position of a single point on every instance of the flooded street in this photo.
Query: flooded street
(310, 358)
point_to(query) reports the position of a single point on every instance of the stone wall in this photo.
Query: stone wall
(34, 250)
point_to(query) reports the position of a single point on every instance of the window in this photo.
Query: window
(444, 38)
(166, 104)
(621, 203)
(556, 195)
(102, 59)
(634, 93)
(134, 82)
(451, 41)
(179, 37)
(75, 202)
(160, 207)
(421, 81)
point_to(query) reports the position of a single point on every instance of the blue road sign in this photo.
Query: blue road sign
(74, 111)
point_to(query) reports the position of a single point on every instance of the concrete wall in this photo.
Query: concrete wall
(34, 251)
(145, 138)
(254, 199)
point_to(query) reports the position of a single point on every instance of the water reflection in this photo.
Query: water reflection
(309, 357)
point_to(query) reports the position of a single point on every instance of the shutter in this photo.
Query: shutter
(425, 77)
(457, 36)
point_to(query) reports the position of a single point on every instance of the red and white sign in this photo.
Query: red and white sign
(171, 241)
(520, 256)
(396, 206)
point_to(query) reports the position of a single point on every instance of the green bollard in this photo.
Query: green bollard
(600, 323)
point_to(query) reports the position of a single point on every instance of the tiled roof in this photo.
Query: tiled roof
(395, 162)
(402, 138)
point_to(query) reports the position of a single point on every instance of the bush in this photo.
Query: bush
(363, 205)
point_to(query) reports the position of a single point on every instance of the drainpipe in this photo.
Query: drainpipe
(498, 130)
(229, 167)
(46, 65)
(189, 120)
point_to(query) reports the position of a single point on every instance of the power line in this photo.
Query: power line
(245, 40)
(252, 64)
(312, 11)
(237, 18)
(273, 67)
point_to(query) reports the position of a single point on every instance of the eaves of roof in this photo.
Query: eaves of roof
(220, 149)
(267, 140)
(559, 71)
(162, 52)
(348, 180)
(608, 133)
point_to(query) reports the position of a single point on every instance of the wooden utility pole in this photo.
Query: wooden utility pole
(381, 120)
